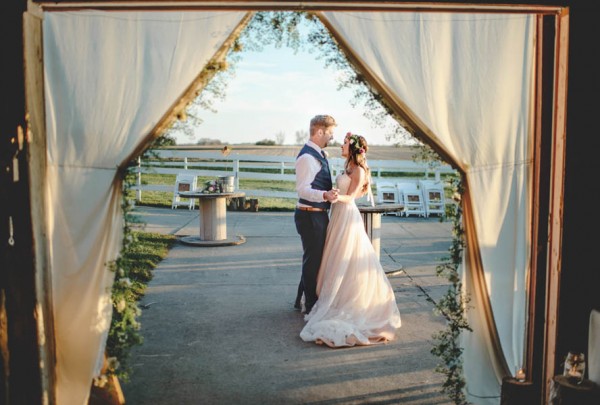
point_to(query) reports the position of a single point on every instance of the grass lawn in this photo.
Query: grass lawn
(142, 257)
(164, 198)
(134, 269)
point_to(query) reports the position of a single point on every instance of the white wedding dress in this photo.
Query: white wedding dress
(356, 304)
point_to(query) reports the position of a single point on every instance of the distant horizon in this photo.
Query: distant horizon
(332, 149)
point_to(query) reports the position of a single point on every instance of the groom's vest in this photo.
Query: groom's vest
(322, 180)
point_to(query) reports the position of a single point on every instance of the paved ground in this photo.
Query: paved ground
(219, 326)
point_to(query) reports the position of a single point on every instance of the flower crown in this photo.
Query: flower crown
(354, 142)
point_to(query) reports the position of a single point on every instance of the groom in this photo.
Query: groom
(315, 193)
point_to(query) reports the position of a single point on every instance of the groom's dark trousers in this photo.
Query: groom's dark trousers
(312, 227)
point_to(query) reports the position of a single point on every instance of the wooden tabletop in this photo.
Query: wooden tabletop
(378, 209)
(572, 383)
(200, 194)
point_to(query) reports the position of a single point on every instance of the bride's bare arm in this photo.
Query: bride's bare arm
(357, 179)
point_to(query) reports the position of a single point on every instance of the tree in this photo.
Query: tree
(163, 141)
(280, 138)
(301, 136)
(208, 141)
(265, 142)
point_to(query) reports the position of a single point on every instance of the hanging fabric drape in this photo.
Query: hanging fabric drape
(468, 78)
(109, 78)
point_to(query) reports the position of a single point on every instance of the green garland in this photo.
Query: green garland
(140, 253)
(452, 306)
(128, 287)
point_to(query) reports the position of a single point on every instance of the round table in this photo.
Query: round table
(372, 219)
(515, 391)
(213, 219)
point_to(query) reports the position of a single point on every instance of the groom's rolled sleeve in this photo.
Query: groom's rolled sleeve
(307, 168)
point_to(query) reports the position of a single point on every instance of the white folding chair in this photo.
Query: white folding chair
(184, 182)
(386, 193)
(412, 198)
(434, 198)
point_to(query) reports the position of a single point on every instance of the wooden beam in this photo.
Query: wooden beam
(534, 270)
(36, 159)
(555, 225)
(294, 5)
(21, 378)
(16, 287)
(541, 179)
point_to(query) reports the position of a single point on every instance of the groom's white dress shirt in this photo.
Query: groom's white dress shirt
(307, 168)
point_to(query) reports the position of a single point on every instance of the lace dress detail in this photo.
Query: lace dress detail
(356, 304)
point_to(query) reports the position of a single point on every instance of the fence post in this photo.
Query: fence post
(185, 163)
(282, 168)
(138, 193)
(236, 172)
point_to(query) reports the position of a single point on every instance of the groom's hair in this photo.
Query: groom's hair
(321, 121)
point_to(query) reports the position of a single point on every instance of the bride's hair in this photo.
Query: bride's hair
(358, 156)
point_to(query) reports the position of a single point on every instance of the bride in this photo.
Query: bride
(356, 303)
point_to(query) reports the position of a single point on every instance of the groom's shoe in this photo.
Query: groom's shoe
(297, 306)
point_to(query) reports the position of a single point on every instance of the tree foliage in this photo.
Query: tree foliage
(280, 138)
(266, 142)
(209, 141)
(301, 137)
(163, 141)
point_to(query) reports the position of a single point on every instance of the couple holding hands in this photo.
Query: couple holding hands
(344, 292)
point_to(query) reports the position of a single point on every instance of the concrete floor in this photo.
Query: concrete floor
(219, 327)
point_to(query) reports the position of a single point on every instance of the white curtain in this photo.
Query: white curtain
(109, 78)
(468, 77)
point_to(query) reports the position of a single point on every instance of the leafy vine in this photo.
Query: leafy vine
(126, 290)
(140, 253)
(452, 306)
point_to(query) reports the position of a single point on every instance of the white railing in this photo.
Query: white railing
(242, 166)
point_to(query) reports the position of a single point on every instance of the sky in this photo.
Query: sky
(276, 91)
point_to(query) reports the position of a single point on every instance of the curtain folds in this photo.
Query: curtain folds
(468, 80)
(109, 77)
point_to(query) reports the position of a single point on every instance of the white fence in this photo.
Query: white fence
(242, 166)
